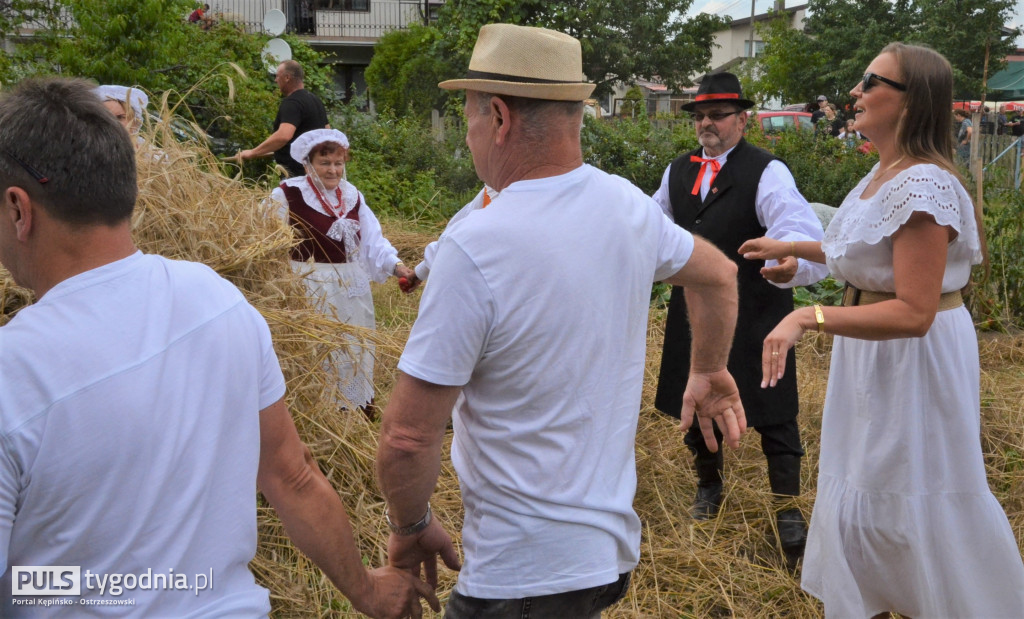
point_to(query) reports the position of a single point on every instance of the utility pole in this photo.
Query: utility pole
(752, 3)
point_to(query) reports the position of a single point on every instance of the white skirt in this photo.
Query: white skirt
(343, 292)
(904, 519)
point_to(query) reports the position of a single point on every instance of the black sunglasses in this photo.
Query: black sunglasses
(867, 83)
(714, 116)
(36, 174)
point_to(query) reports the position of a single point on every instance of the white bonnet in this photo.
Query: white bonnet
(308, 140)
(133, 96)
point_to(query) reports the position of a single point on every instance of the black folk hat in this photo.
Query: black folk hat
(717, 87)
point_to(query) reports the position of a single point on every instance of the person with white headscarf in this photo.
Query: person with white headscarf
(342, 241)
(127, 104)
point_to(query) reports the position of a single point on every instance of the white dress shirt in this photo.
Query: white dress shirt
(780, 207)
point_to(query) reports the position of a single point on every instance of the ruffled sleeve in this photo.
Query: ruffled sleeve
(279, 204)
(921, 188)
(378, 255)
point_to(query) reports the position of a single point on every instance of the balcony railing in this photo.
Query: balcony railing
(327, 19)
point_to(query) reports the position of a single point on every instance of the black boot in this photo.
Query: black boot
(709, 484)
(792, 531)
(784, 477)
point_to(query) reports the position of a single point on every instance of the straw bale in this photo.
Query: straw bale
(727, 567)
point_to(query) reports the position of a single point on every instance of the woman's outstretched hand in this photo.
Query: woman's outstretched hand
(777, 346)
(765, 248)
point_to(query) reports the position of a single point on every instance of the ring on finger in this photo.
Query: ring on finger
(775, 354)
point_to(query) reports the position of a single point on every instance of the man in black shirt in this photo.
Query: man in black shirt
(300, 111)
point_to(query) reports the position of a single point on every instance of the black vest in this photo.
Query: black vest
(727, 218)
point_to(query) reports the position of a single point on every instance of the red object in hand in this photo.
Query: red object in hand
(404, 285)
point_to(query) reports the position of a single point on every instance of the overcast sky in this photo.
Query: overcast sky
(741, 8)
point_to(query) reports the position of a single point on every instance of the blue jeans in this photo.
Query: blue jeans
(579, 604)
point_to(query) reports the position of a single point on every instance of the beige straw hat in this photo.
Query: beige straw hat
(525, 62)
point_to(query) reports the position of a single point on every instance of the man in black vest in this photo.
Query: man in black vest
(728, 192)
(300, 111)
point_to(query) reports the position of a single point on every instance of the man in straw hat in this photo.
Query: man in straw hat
(140, 400)
(533, 328)
(728, 191)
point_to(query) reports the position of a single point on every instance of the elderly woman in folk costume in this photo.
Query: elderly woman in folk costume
(342, 241)
(127, 104)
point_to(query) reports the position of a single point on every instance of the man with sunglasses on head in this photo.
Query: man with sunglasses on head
(729, 191)
(141, 402)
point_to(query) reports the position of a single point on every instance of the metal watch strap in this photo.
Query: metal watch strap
(411, 529)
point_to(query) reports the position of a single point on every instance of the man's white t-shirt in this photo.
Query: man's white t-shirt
(129, 438)
(538, 305)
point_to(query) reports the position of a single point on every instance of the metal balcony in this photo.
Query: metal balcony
(327, 21)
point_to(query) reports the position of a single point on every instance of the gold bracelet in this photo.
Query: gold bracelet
(792, 248)
(819, 316)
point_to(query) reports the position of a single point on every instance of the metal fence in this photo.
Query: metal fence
(1001, 157)
(332, 19)
(360, 20)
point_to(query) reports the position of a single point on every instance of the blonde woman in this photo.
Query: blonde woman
(127, 104)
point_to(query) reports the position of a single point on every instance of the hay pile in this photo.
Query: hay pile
(728, 567)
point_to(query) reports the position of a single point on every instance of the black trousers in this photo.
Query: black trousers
(780, 444)
(782, 439)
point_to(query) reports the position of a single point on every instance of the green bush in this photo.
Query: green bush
(825, 170)
(998, 300)
(403, 170)
(218, 74)
(635, 149)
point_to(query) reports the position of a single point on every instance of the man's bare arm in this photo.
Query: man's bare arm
(315, 520)
(709, 281)
(272, 144)
(408, 464)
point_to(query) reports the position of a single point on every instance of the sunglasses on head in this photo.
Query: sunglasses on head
(870, 82)
(34, 173)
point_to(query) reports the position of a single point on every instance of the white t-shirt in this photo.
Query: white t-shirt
(477, 203)
(538, 306)
(129, 438)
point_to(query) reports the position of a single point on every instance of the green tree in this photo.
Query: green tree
(840, 38)
(633, 103)
(218, 74)
(622, 40)
(404, 71)
(961, 29)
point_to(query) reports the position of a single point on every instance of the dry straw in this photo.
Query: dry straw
(727, 567)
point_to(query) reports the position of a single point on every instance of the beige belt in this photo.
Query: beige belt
(856, 296)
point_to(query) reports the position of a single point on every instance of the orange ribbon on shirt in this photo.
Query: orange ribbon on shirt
(705, 164)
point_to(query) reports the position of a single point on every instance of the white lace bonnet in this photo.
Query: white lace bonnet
(124, 94)
(307, 141)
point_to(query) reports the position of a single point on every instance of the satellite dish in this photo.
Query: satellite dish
(274, 53)
(274, 22)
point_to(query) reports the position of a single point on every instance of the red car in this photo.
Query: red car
(777, 122)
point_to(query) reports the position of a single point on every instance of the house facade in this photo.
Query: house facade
(345, 30)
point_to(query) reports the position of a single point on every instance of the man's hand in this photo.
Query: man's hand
(418, 553)
(783, 272)
(407, 280)
(392, 593)
(714, 397)
(240, 156)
